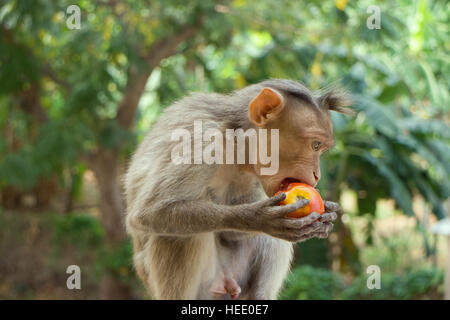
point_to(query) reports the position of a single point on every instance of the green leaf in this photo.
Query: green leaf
(399, 190)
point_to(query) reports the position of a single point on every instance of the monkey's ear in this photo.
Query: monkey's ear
(265, 107)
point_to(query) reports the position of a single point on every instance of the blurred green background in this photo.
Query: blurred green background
(75, 103)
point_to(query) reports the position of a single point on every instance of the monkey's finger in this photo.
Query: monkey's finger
(298, 224)
(300, 238)
(284, 210)
(287, 237)
(320, 235)
(328, 216)
(299, 227)
(321, 227)
(325, 227)
(274, 200)
(331, 206)
(306, 237)
(305, 221)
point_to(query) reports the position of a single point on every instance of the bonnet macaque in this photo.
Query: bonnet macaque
(215, 230)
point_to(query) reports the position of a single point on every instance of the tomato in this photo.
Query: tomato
(296, 191)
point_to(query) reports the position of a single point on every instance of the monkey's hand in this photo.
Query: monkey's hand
(267, 217)
(331, 210)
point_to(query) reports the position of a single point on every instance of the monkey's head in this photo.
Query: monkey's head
(305, 129)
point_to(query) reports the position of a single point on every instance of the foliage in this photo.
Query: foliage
(307, 282)
(85, 232)
(80, 230)
(395, 252)
(63, 91)
(409, 285)
(117, 259)
(37, 249)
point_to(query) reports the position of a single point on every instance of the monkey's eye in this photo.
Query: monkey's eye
(316, 145)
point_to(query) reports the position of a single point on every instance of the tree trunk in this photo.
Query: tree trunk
(344, 254)
(106, 168)
(105, 165)
(112, 289)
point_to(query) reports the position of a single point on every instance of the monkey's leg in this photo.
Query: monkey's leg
(176, 267)
(271, 266)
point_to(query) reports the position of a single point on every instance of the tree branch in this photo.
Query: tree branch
(48, 71)
(138, 78)
(167, 47)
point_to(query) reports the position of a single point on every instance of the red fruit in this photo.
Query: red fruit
(297, 191)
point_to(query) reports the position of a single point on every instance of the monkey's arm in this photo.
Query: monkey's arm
(183, 218)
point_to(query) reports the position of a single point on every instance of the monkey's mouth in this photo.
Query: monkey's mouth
(286, 181)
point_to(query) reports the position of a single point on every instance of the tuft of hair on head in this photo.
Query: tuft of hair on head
(337, 100)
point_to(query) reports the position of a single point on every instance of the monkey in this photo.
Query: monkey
(216, 231)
